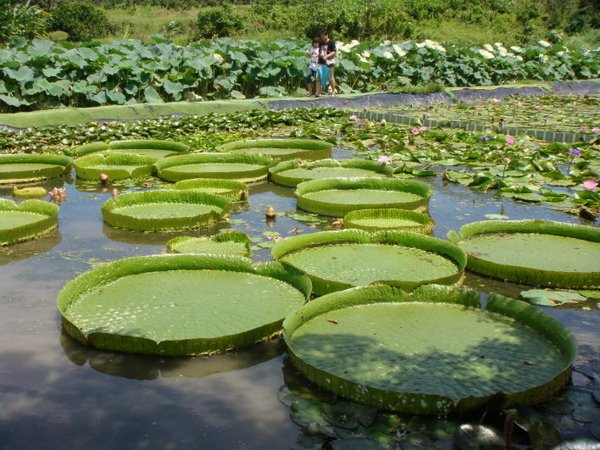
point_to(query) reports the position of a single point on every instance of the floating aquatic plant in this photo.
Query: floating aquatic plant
(28, 220)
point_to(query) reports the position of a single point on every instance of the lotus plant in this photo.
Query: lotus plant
(590, 185)
(506, 162)
(383, 160)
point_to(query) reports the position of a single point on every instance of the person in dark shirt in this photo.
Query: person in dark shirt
(327, 57)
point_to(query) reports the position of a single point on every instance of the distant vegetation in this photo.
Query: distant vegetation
(466, 21)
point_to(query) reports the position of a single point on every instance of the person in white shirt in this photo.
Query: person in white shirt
(312, 73)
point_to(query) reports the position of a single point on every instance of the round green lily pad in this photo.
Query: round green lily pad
(337, 260)
(231, 243)
(430, 352)
(241, 167)
(118, 166)
(179, 304)
(533, 252)
(282, 149)
(291, 173)
(145, 147)
(164, 210)
(30, 219)
(236, 190)
(389, 219)
(544, 297)
(29, 167)
(337, 197)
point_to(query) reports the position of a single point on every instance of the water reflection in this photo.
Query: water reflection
(158, 238)
(25, 250)
(147, 367)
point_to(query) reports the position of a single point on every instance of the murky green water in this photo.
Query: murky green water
(57, 394)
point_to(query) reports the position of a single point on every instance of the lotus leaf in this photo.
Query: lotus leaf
(229, 243)
(179, 304)
(338, 260)
(241, 167)
(233, 189)
(337, 197)
(533, 252)
(282, 149)
(291, 173)
(389, 219)
(164, 210)
(117, 166)
(30, 219)
(29, 167)
(430, 352)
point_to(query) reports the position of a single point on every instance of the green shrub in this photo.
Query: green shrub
(21, 19)
(81, 21)
(219, 22)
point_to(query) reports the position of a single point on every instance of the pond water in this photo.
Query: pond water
(57, 394)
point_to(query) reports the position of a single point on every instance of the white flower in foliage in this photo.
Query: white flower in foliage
(388, 55)
(544, 44)
(401, 52)
(486, 54)
(488, 47)
(516, 49)
(501, 49)
(218, 57)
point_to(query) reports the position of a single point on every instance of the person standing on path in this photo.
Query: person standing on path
(313, 68)
(327, 58)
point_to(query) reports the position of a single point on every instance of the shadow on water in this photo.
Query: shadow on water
(145, 367)
(25, 250)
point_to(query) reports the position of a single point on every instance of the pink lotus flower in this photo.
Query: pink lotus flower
(583, 129)
(510, 140)
(506, 160)
(383, 160)
(596, 130)
(415, 131)
(423, 128)
(353, 117)
(589, 185)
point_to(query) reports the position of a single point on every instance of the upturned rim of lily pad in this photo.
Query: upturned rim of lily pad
(236, 190)
(107, 273)
(322, 286)
(178, 244)
(90, 167)
(326, 208)
(424, 403)
(61, 165)
(309, 149)
(164, 166)
(113, 217)
(529, 275)
(131, 144)
(424, 223)
(32, 230)
(277, 172)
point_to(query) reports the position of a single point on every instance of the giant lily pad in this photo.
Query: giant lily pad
(231, 243)
(337, 197)
(154, 148)
(28, 167)
(430, 352)
(282, 149)
(179, 304)
(291, 173)
(236, 190)
(534, 252)
(164, 210)
(337, 260)
(241, 167)
(389, 219)
(30, 219)
(117, 166)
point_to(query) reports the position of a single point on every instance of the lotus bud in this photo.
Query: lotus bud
(103, 177)
(115, 192)
(270, 213)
